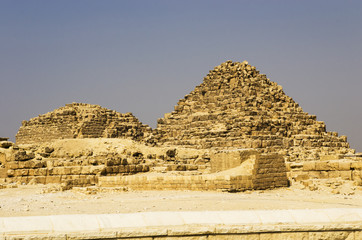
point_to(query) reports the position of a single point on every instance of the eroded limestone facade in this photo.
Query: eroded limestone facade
(236, 131)
(237, 107)
(79, 120)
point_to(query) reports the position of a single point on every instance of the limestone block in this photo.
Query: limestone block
(181, 238)
(229, 159)
(330, 157)
(357, 235)
(357, 165)
(93, 169)
(93, 235)
(357, 175)
(31, 172)
(334, 174)
(40, 171)
(21, 172)
(2, 157)
(309, 166)
(322, 166)
(346, 175)
(53, 179)
(75, 170)
(37, 180)
(337, 235)
(11, 173)
(344, 166)
(284, 236)
(22, 155)
(13, 165)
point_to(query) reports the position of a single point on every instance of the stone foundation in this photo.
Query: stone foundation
(258, 172)
(345, 169)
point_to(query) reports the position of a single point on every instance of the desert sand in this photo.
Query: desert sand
(41, 200)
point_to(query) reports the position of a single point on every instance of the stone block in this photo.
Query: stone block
(88, 169)
(334, 174)
(358, 235)
(356, 165)
(229, 159)
(344, 166)
(22, 155)
(38, 180)
(284, 236)
(322, 166)
(21, 172)
(346, 175)
(10, 173)
(53, 179)
(336, 235)
(246, 236)
(181, 238)
(309, 166)
(357, 175)
(13, 165)
(330, 157)
(76, 170)
(2, 158)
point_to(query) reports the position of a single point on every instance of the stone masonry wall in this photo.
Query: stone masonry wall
(269, 171)
(78, 120)
(237, 107)
(42, 166)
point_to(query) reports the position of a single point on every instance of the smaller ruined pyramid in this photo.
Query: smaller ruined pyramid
(80, 120)
(237, 107)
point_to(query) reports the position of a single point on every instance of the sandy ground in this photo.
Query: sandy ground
(47, 200)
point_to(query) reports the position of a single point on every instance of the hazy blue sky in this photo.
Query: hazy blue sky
(142, 56)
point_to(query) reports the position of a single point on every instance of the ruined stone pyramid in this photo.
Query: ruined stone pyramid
(80, 120)
(237, 107)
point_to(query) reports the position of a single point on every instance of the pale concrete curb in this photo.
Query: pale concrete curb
(158, 224)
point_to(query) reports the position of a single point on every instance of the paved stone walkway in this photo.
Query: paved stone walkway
(173, 224)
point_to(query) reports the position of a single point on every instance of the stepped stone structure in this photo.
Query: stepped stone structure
(79, 120)
(237, 107)
(236, 131)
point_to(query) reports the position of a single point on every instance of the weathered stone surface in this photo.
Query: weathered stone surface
(235, 119)
(5, 144)
(188, 225)
(237, 107)
(79, 120)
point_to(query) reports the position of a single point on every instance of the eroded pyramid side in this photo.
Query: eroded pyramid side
(80, 120)
(237, 107)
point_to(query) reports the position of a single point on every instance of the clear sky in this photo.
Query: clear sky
(142, 56)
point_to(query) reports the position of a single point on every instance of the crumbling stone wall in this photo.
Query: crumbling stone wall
(267, 171)
(43, 166)
(237, 107)
(79, 120)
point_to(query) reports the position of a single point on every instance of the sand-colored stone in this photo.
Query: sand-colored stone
(78, 120)
(172, 225)
(236, 131)
(237, 107)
